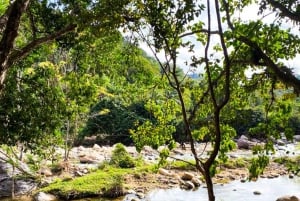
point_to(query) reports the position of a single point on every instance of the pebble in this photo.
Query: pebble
(257, 193)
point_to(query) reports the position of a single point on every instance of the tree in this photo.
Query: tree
(167, 22)
(165, 26)
(10, 25)
(26, 24)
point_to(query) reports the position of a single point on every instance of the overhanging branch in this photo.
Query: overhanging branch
(285, 76)
(19, 54)
(285, 11)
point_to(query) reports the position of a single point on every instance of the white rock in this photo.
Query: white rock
(41, 196)
(96, 147)
(164, 172)
(188, 185)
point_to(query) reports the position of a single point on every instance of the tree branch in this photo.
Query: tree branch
(198, 31)
(19, 54)
(4, 18)
(11, 31)
(284, 11)
(281, 73)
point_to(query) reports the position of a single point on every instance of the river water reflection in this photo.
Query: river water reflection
(270, 190)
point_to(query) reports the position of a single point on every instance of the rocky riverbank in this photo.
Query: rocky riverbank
(83, 160)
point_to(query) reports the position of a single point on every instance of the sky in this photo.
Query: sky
(250, 13)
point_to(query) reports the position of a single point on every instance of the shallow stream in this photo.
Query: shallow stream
(269, 189)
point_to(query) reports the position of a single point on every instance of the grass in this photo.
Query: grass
(95, 183)
(292, 163)
(236, 163)
(105, 182)
(180, 165)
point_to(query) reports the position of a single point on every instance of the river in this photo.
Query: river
(269, 189)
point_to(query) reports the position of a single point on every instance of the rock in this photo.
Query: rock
(41, 196)
(87, 159)
(173, 181)
(280, 142)
(178, 152)
(243, 142)
(291, 176)
(22, 186)
(164, 172)
(243, 180)
(297, 138)
(46, 172)
(196, 182)
(89, 140)
(140, 195)
(188, 185)
(96, 147)
(257, 193)
(244, 137)
(187, 176)
(288, 198)
(81, 148)
(131, 191)
(78, 173)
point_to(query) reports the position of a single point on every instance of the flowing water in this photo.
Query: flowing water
(270, 190)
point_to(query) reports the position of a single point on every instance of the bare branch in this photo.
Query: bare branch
(199, 31)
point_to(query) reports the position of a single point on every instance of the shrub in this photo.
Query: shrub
(121, 158)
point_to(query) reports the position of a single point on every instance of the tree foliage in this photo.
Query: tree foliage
(92, 73)
(32, 106)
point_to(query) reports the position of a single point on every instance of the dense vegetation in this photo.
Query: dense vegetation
(71, 69)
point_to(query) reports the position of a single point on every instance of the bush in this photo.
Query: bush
(121, 158)
(111, 121)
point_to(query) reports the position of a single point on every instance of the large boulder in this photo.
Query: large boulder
(243, 142)
(288, 198)
(21, 186)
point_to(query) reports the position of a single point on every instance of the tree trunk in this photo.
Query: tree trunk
(210, 187)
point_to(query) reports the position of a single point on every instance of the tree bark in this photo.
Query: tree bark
(210, 187)
(10, 34)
